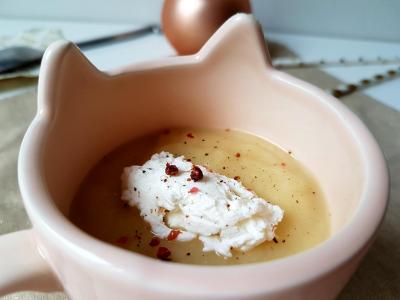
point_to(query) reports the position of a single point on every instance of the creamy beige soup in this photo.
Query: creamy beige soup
(269, 171)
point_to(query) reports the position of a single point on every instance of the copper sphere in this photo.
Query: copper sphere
(188, 24)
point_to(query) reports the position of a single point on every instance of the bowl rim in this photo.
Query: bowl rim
(287, 272)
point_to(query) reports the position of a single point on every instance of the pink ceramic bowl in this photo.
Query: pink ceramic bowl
(84, 114)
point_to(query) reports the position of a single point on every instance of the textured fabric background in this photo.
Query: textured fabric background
(379, 274)
(35, 38)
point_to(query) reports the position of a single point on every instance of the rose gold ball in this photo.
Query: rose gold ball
(188, 24)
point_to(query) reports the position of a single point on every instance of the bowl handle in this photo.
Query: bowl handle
(22, 267)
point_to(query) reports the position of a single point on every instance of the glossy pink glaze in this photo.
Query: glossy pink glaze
(83, 114)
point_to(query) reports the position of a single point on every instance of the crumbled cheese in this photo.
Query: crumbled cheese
(218, 210)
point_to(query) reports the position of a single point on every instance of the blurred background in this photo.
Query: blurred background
(344, 18)
(356, 41)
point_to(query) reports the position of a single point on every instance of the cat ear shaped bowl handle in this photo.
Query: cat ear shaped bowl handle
(22, 267)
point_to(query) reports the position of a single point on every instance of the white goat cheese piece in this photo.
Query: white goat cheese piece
(218, 210)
